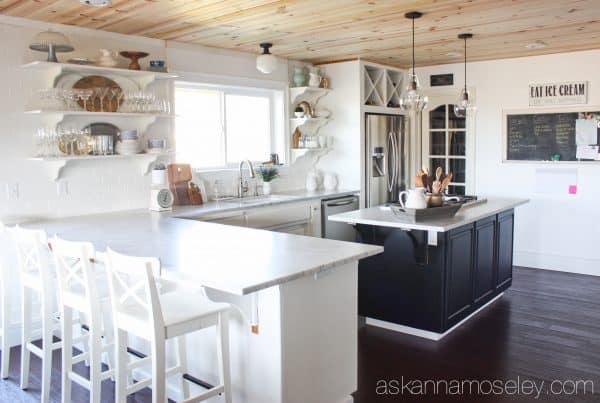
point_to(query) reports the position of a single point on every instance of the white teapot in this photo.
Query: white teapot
(415, 199)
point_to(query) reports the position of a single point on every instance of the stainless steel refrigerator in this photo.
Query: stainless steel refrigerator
(386, 159)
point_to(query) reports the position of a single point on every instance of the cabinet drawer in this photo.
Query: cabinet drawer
(275, 216)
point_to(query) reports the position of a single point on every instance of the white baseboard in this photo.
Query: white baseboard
(569, 264)
(425, 333)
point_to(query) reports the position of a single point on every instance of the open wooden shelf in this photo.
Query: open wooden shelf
(88, 113)
(57, 164)
(79, 68)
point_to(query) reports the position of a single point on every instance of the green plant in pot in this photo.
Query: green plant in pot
(268, 174)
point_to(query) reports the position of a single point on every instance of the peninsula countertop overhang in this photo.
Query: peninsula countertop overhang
(384, 217)
(235, 260)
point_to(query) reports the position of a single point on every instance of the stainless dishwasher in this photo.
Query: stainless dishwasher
(338, 230)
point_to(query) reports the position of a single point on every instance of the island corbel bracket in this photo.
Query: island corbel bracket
(420, 247)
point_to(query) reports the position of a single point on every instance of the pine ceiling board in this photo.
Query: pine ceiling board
(196, 16)
(331, 30)
(307, 15)
(446, 40)
(492, 48)
(400, 31)
(147, 23)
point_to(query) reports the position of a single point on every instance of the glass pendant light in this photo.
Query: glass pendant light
(463, 104)
(413, 99)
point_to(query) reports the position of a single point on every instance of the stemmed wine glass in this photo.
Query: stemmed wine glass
(85, 95)
(101, 93)
(114, 96)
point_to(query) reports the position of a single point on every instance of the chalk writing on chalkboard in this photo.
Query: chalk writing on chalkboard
(540, 136)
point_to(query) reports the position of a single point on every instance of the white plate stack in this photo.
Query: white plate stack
(128, 143)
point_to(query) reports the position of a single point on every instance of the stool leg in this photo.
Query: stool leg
(95, 365)
(25, 336)
(223, 350)
(182, 363)
(47, 333)
(5, 344)
(121, 367)
(67, 353)
(159, 379)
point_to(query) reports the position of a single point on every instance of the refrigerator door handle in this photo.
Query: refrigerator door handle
(391, 162)
(394, 162)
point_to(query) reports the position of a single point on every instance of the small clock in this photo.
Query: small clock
(161, 199)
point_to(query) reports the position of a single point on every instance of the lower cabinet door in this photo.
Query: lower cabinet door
(506, 223)
(459, 274)
(485, 259)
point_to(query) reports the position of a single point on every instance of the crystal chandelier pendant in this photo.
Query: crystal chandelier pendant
(412, 98)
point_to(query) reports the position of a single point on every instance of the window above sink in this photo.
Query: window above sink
(219, 126)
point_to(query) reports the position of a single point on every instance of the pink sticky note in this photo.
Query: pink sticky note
(573, 189)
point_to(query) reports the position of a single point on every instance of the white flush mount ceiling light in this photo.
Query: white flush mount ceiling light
(96, 3)
(266, 62)
(413, 99)
(464, 103)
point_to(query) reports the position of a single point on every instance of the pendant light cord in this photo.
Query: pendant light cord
(465, 64)
(413, 46)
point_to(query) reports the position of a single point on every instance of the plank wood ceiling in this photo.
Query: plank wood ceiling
(321, 31)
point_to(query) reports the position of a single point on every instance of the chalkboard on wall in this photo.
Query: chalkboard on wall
(539, 136)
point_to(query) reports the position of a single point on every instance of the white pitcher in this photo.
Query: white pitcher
(415, 199)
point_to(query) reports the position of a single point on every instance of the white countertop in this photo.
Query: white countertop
(384, 217)
(213, 207)
(232, 259)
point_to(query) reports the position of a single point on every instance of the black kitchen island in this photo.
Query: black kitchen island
(435, 274)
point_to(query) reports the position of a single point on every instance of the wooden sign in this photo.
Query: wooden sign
(568, 93)
(439, 80)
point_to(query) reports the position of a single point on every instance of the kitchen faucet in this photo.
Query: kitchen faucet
(243, 187)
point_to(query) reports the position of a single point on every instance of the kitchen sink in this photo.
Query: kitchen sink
(258, 199)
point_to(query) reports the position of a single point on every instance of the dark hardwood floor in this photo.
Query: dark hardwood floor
(545, 328)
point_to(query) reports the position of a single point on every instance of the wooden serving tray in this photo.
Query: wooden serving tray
(432, 213)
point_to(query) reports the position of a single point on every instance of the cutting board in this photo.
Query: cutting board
(185, 192)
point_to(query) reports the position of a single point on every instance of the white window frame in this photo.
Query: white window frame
(269, 92)
(450, 98)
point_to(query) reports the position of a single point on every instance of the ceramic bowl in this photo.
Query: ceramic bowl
(128, 135)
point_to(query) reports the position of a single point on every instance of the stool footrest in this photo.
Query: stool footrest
(80, 380)
(205, 395)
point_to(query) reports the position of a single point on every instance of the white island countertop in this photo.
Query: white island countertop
(235, 260)
(385, 217)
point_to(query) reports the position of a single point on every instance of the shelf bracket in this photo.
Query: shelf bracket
(55, 169)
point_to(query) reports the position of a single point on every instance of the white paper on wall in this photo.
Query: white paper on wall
(556, 181)
(586, 132)
(587, 152)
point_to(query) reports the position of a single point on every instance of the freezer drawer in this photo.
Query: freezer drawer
(337, 230)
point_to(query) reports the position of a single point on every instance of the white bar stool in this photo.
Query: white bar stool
(37, 277)
(80, 289)
(5, 243)
(140, 310)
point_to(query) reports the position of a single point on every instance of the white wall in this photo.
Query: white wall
(97, 186)
(552, 232)
(344, 103)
